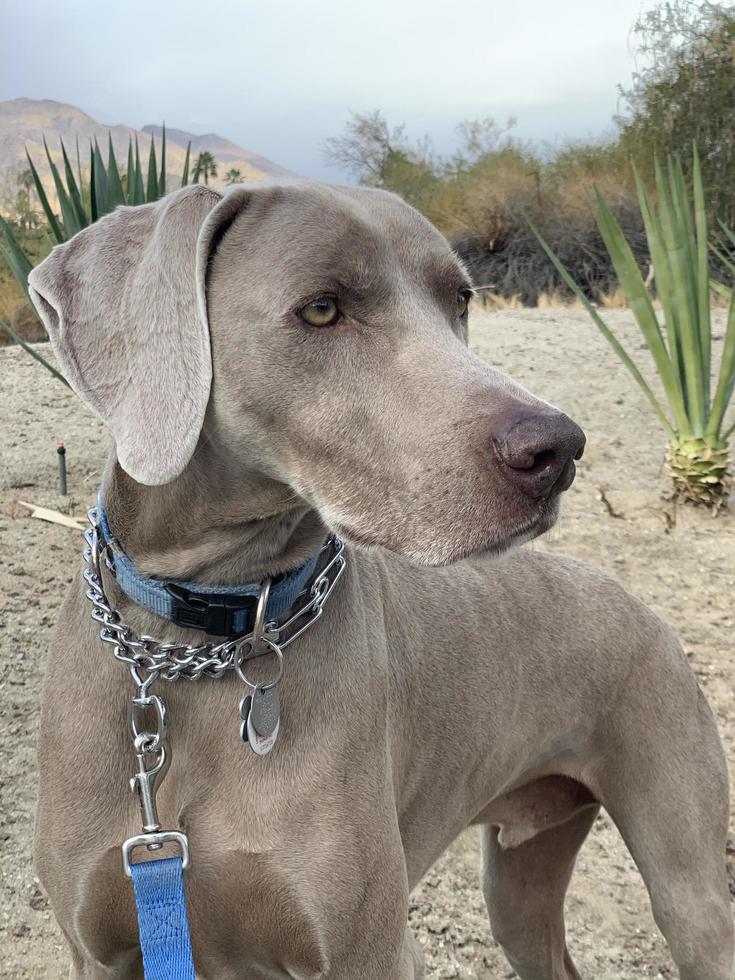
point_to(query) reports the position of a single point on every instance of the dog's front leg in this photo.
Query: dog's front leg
(372, 963)
(381, 946)
(413, 957)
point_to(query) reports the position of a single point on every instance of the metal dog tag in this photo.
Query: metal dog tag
(245, 703)
(265, 710)
(261, 718)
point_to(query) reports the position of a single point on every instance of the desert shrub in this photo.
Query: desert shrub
(497, 196)
(481, 196)
(514, 265)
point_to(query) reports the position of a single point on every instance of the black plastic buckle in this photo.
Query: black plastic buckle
(214, 614)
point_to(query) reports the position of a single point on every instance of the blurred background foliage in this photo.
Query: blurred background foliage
(685, 94)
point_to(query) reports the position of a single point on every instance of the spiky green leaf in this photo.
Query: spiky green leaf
(79, 169)
(130, 173)
(74, 192)
(726, 376)
(162, 179)
(185, 174)
(662, 276)
(721, 289)
(639, 300)
(678, 246)
(702, 276)
(100, 181)
(605, 330)
(93, 209)
(15, 258)
(115, 193)
(68, 212)
(34, 353)
(138, 193)
(152, 188)
(53, 223)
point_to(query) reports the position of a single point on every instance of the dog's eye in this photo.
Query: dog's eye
(321, 312)
(463, 302)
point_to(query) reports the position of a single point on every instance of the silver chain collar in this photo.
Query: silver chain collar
(148, 659)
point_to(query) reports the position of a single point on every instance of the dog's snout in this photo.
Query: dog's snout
(536, 452)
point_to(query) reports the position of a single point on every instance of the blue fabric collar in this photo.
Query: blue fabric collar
(219, 611)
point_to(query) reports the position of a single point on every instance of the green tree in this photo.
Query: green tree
(233, 176)
(205, 166)
(381, 157)
(24, 202)
(685, 94)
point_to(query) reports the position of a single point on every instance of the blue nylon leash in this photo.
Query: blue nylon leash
(163, 921)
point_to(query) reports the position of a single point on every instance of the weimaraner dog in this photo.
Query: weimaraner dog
(288, 362)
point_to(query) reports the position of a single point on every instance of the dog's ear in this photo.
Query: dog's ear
(125, 307)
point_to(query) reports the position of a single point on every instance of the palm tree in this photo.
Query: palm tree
(25, 180)
(24, 199)
(206, 165)
(233, 176)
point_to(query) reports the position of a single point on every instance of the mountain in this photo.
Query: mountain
(224, 151)
(25, 122)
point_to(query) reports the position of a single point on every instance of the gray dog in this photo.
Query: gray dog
(289, 361)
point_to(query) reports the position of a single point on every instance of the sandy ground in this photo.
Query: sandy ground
(680, 561)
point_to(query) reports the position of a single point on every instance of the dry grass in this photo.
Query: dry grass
(613, 301)
(554, 300)
(557, 298)
(489, 300)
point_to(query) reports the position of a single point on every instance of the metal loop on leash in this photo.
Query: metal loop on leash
(137, 707)
(158, 839)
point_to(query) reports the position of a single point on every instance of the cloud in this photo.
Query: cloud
(281, 77)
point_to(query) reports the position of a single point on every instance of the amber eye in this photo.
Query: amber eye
(320, 312)
(463, 302)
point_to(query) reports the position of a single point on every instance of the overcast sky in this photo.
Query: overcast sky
(279, 76)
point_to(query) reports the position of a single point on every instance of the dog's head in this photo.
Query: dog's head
(317, 335)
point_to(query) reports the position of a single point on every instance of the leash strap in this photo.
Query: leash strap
(163, 922)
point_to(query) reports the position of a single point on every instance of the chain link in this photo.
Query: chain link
(149, 660)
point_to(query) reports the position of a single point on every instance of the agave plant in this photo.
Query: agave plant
(693, 415)
(83, 198)
(724, 252)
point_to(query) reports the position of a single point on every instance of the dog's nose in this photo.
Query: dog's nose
(536, 452)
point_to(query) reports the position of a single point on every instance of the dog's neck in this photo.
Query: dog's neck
(210, 525)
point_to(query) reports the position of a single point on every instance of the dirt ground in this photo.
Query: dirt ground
(679, 561)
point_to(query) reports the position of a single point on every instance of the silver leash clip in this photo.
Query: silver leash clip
(152, 761)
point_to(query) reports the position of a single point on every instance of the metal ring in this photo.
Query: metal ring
(272, 648)
(265, 591)
(152, 740)
(142, 683)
